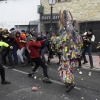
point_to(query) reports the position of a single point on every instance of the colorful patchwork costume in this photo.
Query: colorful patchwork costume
(71, 50)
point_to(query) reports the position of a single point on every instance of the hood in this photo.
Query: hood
(17, 32)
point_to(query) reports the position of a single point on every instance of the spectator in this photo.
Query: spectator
(28, 36)
(20, 40)
(15, 46)
(88, 39)
(44, 48)
(2, 70)
(8, 51)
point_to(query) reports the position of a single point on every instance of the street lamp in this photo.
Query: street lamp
(51, 2)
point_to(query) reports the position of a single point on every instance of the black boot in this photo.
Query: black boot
(85, 62)
(58, 63)
(70, 86)
(30, 74)
(10, 67)
(46, 80)
(91, 67)
(5, 82)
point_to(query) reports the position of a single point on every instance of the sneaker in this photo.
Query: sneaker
(84, 62)
(15, 63)
(32, 67)
(30, 74)
(22, 64)
(79, 66)
(70, 87)
(91, 67)
(48, 61)
(46, 80)
(4, 63)
(30, 64)
(5, 82)
(46, 64)
(58, 63)
(10, 67)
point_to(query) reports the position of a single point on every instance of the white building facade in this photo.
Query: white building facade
(21, 14)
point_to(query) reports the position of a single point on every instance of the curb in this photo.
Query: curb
(88, 68)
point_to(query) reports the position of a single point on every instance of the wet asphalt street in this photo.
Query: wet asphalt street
(87, 86)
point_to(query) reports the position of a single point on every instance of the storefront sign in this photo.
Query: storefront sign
(55, 17)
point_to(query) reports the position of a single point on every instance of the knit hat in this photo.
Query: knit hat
(27, 31)
(90, 30)
(33, 38)
(22, 30)
(17, 32)
(12, 29)
(53, 34)
(38, 33)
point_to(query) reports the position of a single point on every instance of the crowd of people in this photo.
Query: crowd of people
(33, 47)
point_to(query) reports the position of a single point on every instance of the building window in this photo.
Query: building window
(63, 0)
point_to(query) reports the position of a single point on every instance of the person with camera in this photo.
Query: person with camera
(88, 39)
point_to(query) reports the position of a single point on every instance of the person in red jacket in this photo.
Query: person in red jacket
(33, 47)
(21, 46)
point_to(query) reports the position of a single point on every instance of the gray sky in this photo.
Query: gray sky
(19, 11)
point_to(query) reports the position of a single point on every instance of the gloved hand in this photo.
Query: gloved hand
(11, 47)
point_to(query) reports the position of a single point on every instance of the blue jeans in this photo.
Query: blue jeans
(88, 49)
(21, 52)
(15, 48)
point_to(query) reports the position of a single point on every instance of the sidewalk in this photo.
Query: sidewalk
(96, 61)
(95, 56)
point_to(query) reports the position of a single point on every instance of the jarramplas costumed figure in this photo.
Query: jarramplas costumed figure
(71, 49)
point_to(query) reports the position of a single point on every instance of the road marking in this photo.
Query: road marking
(20, 71)
(54, 81)
(88, 68)
(63, 84)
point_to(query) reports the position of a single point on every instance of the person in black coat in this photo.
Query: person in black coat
(2, 73)
(88, 39)
(2, 70)
(8, 51)
(44, 48)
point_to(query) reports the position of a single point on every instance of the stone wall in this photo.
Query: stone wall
(82, 10)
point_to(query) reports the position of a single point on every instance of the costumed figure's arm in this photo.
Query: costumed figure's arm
(62, 21)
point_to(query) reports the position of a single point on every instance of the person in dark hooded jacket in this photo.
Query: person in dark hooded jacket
(44, 45)
(15, 46)
(8, 51)
(2, 69)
